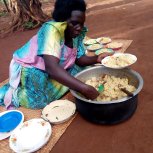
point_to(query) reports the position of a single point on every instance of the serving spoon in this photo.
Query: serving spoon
(130, 94)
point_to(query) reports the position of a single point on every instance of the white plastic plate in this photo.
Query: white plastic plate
(94, 47)
(90, 41)
(117, 62)
(30, 136)
(115, 45)
(104, 40)
(59, 111)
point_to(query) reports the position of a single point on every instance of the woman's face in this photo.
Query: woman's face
(75, 23)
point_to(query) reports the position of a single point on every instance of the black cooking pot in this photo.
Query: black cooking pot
(108, 112)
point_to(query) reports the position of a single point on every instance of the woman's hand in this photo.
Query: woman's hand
(89, 92)
(103, 55)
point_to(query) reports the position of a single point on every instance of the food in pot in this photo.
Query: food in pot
(112, 86)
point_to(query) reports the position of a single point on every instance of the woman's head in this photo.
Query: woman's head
(64, 8)
(73, 12)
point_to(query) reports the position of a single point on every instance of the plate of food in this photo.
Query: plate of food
(58, 111)
(115, 45)
(90, 42)
(30, 136)
(103, 50)
(94, 47)
(119, 60)
(104, 40)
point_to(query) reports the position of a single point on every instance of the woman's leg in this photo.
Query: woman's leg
(3, 90)
(36, 89)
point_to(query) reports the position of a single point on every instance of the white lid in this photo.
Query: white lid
(59, 111)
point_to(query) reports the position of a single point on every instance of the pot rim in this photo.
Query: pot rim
(74, 93)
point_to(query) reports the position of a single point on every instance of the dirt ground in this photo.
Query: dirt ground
(126, 19)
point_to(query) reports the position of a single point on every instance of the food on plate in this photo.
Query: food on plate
(104, 50)
(119, 60)
(104, 40)
(112, 86)
(94, 47)
(115, 45)
(90, 41)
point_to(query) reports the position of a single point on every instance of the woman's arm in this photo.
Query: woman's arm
(86, 60)
(89, 60)
(57, 73)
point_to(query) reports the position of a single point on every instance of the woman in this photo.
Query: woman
(42, 70)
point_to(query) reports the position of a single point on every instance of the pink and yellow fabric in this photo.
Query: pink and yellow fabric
(29, 84)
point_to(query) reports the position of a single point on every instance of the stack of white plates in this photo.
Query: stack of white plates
(30, 136)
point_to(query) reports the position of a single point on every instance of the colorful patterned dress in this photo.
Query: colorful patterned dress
(29, 84)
